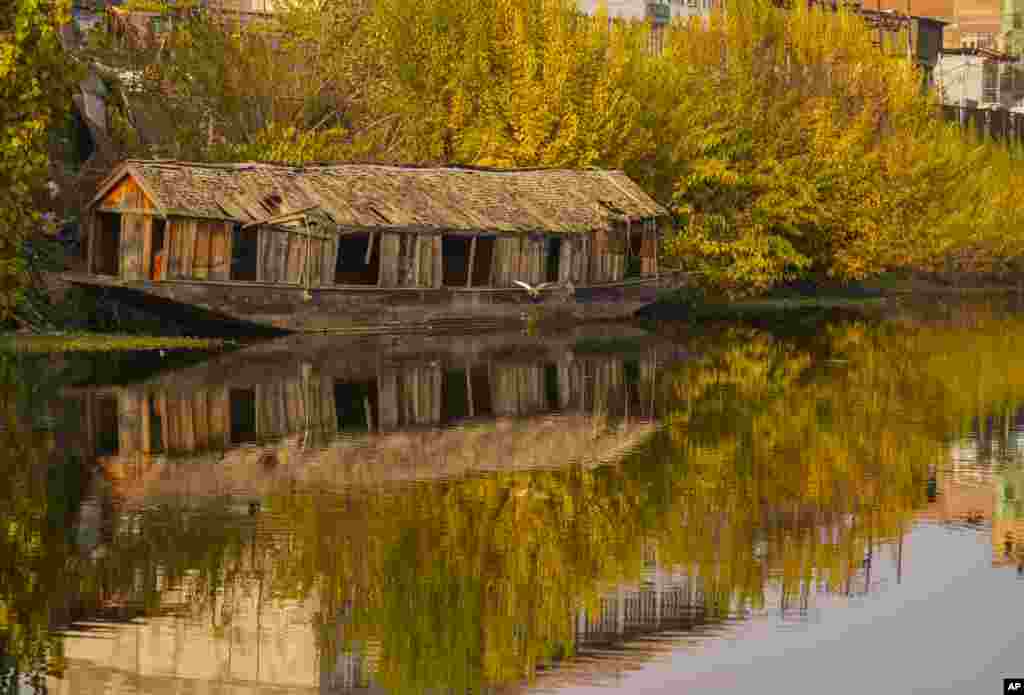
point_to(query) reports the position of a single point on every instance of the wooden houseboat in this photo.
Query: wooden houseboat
(372, 247)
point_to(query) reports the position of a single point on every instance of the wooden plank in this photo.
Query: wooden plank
(435, 378)
(201, 418)
(328, 408)
(538, 255)
(264, 245)
(329, 261)
(129, 429)
(131, 247)
(469, 283)
(416, 258)
(201, 262)
(387, 401)
(506, 255)
(188, 425)
(369, 247)
(565, 261)
(219, 414)
(187, 247)
(282, 244)
(220, 251)
(147, 247)
(295, 253)
(89, 226)
(438, 261)
(390, 249)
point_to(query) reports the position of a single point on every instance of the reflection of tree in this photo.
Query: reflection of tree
(783, 465)
(40, 493)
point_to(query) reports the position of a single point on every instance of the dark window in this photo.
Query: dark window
(107, 250)
(243, 415)
(455, 403)
(108, 431)
(455, 255)
(156, 427)
(355, 402)
(554, 259)
(480, 382)
(551, 385)
(352, 267)
(484, 257)
(244, 253)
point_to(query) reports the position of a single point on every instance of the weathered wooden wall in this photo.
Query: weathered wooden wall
(136, 209)
(198, 249)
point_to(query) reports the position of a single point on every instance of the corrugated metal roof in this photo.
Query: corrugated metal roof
(360, 195)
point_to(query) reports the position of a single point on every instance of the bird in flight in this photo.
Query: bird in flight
(534, 292)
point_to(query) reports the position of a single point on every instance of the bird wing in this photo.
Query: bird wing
(544, 284)
(522, 284)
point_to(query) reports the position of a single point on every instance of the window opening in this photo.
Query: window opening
(108, 245)
(356, 405)
(243, 415)
(455, 388)
(108, 430)
(156, 426)
(480, 382)
(455, 260)
(351, 267)
(551, 385)
(244, 253)
(554, 257)
(482, 261)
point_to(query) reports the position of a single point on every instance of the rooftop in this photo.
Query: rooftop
(397, 197)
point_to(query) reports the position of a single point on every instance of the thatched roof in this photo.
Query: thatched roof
(377, 196)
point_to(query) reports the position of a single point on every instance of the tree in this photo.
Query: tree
(35, 76)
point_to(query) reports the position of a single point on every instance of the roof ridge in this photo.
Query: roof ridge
(298, 168)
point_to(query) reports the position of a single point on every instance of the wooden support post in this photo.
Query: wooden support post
(369, 247)
(472, 261)
(369, 413)
(90, 253)
(416, 253)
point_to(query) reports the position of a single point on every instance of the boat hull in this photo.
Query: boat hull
(353, 309)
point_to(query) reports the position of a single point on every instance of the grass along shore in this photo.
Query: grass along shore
(97, 342)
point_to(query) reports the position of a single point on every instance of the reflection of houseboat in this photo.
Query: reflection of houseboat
(380, 248)
(245, 425)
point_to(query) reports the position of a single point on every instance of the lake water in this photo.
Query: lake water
(833, 505)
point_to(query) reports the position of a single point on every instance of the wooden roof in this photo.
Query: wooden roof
(396, 197)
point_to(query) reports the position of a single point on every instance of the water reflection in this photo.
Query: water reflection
(473, 517)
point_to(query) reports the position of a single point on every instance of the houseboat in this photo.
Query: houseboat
(347, 247)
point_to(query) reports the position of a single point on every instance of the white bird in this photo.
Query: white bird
(534, 292)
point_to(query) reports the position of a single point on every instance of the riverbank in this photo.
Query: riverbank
(802, 298)
(97, 342)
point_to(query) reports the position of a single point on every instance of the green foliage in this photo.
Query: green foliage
(34, 80)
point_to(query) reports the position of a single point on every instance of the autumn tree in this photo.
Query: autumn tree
(35, 76)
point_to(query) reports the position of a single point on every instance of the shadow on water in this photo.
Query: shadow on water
(488, 513)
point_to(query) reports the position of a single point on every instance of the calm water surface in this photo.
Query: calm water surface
(834, 506)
